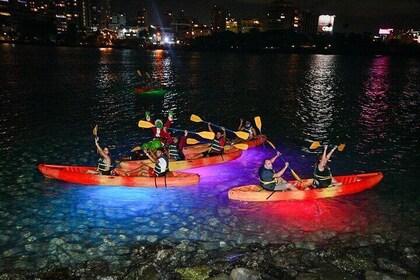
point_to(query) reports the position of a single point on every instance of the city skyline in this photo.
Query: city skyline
(360, 16)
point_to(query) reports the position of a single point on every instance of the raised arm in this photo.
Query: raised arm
(210, 129)
(273, 159)
(240, 124)
(281, 172)
(331, 152)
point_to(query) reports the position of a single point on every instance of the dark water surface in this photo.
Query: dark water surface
(52, 97)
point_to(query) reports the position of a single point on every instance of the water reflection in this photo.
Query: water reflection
(374, 115)
(317, 106)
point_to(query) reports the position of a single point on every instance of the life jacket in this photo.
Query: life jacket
(215, 146)
(248, 128)
(174, 151)
(103, 166)
(322, 179)
(266, 178)
(158, 169)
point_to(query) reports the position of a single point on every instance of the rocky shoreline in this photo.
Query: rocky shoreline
(370, 259)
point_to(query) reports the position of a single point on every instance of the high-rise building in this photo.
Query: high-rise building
(281, 15)
(218, 19)
(232, 24)
(99, 14)
(247, 25)
(141, 18)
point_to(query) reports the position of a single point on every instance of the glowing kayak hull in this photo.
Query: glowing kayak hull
(350, 184)
(200, 148)
(230, 154)
(78, 175)
(150, 90)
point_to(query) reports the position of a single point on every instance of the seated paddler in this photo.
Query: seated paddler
(271, 180)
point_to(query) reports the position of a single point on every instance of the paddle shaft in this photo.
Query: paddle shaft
(215, 125)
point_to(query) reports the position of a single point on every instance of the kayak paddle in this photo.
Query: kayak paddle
(204, 134)
(291, 170)
(241, 134)
(316, 145)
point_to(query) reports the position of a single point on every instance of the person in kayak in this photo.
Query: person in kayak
(175, 149)
(322, 173)
(271, 180)
(161, 165)
(104, 162)
(248, 128)
(218, 143)
(160, 131)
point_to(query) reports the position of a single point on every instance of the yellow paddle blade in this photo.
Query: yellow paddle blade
(315, 145)
(145, 124)
(271, 144)
(341, 147)
(138, 72)
(191, 141)
(138, 148)
(206, 134)
(195, 118)
(242, 134)
(95, 130)
(295, 175)
(241, 146)
(258, 123)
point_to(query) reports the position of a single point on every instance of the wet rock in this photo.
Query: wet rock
(147, 271)
(376, 275)
(221, 276)
(194, 273)
(12, 276)
(244, 274)
(387, 265)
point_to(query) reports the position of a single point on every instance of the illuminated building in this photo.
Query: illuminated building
(141, 18)
(280, 15)
(248, 25)
(218, 19)
(326, 24)
(232, 25)
(182, 27)
(199, 30)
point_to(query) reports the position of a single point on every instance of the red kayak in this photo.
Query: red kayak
(231, 153)
(349, 184)
(77, 174)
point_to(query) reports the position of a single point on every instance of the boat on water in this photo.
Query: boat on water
(150, 90)
(201, 148)
(230, 153)
(78, 175)
(349, 184)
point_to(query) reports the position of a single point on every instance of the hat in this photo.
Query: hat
(158, 123)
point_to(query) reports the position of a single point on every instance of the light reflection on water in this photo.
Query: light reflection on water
(364, 101)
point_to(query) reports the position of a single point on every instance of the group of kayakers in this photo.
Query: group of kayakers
(165, 146)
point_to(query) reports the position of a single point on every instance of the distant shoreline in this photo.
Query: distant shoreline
(409, 50)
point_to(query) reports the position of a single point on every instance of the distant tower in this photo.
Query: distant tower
(218, 19)
(141, 18)
(100, 14)
(280, 15)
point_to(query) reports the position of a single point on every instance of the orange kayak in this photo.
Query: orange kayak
(77, 174)
(230, 154)
(201, 148)
(350, 184)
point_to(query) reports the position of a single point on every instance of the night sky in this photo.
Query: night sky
(360, 15)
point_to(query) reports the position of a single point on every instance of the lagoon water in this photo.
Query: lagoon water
(51, 98)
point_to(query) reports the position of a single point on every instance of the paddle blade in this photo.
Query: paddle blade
(95, 131)
(341, 147)
(242, 134)
(195, 118)
(145, 124)
(148, 76)
(241, 146)
(258, 123)
(315, 145)
(206, 134)
(138, 72)
(138, 148)
(271, 144)
(191, 141)
(295, 175)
